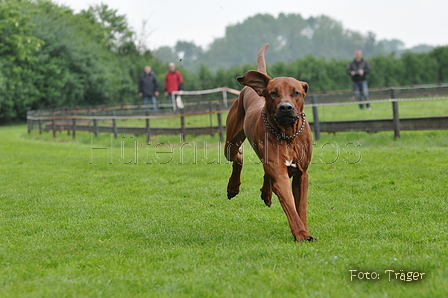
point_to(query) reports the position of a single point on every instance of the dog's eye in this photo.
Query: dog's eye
(296, 93)
(273, 94)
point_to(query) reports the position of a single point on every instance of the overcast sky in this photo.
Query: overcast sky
(200, 21)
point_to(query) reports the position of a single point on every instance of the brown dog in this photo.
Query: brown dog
(269, 113)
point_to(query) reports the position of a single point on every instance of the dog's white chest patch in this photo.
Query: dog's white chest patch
(289, 163)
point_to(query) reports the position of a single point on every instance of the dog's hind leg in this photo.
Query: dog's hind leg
(266, 191)
(233, 152)
(233, 188)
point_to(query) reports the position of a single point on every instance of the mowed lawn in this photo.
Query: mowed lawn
(104, 217)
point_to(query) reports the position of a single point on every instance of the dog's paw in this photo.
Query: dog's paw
(266, 196)
(232, 192)
(310, 239)
(266, 199)
(267, 203)
(233, 188)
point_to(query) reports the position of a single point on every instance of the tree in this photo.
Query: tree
(387, 71)
(17, 48)
(440, 55)
(419, 69)
(369, 44)
(51, 57)
(386, 47)
(165, 54)
(141, 39)
(117, 34)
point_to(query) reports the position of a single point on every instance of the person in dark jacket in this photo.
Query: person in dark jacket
(358, 69)
(148, 87)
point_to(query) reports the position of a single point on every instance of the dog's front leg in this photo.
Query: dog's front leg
(282, 188)
(300, 192)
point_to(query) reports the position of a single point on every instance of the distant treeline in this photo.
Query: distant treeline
(291, 37)
(51, 57)
(322, 74)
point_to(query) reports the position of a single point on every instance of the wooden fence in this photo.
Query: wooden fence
(201, 103)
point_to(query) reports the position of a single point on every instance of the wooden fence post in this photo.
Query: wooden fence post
(316, 118)
(53, 124)
(182, 124)
(95, 127)
(395, 114)
(74, 128)
(396, 119)
(148, 128)
(40, 126)
(210, 109)
(220, 126)
(114, 127)
(29, 125)
(66, 121)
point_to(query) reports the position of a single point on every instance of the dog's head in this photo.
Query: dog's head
(284, 95)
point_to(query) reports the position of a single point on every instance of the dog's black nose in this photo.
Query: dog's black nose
(285, 107)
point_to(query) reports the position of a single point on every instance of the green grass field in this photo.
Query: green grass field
(152, 220)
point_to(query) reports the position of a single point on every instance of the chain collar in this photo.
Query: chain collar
(282, 136)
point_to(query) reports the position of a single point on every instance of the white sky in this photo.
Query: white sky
(200, 21)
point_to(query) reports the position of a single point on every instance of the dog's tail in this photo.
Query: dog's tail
(260, 60)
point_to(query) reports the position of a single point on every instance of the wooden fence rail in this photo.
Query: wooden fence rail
(90, 124)
(88, 119)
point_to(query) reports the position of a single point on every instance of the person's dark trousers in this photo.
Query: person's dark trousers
(153, 99)
(361, 91)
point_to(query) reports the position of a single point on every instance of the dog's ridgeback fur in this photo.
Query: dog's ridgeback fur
(269, 113)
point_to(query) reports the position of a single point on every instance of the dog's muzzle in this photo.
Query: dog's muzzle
(285, 114)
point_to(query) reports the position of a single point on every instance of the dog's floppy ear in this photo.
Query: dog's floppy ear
(256, 80)
(305, 87)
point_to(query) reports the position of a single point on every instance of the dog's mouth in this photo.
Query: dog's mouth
(285, 114)
(285, 119)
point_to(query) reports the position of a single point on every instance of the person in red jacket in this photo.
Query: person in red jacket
(173, 82)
